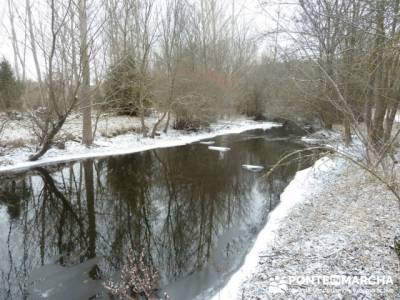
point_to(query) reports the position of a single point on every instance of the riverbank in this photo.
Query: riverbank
(334, 219)
(115, 137)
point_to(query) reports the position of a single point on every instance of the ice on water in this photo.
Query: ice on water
(207, 142)
(221, 149)
(253, 168)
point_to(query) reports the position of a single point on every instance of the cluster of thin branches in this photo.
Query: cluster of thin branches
(137, 279)
(384, 173)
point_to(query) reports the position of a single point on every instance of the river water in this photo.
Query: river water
(192, 212)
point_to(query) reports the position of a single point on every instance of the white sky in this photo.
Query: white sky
(261, 21)
(4, 40)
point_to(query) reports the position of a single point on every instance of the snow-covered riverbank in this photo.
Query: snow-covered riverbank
(16, 158)
(294, 194)
(333, 219)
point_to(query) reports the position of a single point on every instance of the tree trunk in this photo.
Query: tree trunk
(14, 40)
(48, 139)
(378, 120)
(33, 43)
(167, 122)
(143, 122)
(87, 137)
(347, 132)
(153, 132)
(389, 121)
(369, 103)
(327, 122)
(380, 100)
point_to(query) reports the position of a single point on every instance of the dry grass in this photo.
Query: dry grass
(118, 131)
(17, 143)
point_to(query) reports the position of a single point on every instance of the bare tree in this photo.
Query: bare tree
(350, 44)
(33, 41)
(60, 96)
(172, 29)
(132, 32)
(16, 51)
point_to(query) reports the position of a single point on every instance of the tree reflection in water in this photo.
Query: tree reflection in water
(187, 208)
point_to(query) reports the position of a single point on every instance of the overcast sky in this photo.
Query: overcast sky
(4, 40)
(260, 20)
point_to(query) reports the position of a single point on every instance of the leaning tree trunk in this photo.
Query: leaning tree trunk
(48, 139)
(154, 131)
(167, 122)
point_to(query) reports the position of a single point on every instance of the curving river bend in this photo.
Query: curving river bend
(193, 212)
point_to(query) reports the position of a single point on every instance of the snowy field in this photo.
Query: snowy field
(114, 136)
(107, 126)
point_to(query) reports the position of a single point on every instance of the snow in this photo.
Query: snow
(221, 149)
(253, 168)
(346, 226)
(17, 159)
(333, 219)
(293, 194)
(322, 136)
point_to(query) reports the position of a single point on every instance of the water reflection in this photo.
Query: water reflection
(65, 229)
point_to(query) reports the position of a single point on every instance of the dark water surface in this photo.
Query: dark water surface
(193, 212)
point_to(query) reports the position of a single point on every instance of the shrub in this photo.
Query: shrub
(17, 143)
(121, 87)
(199, 98)
(138, 279)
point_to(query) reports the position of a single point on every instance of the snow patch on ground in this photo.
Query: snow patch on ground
(17, 159)
(323, 135)
(293, 194)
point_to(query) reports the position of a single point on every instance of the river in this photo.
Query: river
(192, 212)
